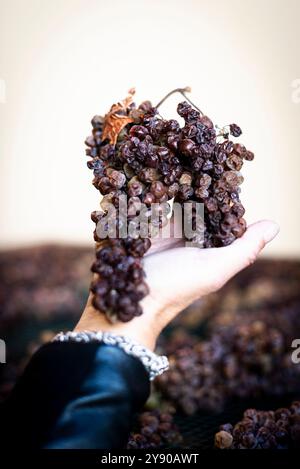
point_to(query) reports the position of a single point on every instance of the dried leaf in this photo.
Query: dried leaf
(117, 118)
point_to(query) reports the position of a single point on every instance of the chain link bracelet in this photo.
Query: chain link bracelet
(154, 364)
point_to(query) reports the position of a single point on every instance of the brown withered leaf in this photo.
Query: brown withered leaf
(116, 119)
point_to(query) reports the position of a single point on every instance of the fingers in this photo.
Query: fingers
(179, 276)
(245, 250)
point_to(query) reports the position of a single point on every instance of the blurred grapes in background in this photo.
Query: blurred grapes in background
(228, 351)
(61, 62)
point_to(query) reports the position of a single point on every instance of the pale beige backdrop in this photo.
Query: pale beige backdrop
(61, 61)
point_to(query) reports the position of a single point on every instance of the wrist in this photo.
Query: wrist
(144, 329)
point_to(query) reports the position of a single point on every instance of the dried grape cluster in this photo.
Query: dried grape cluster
(154, 429)
(279, 429)
(138, 154)
(243, 360)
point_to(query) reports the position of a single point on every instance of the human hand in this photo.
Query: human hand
(177, 276)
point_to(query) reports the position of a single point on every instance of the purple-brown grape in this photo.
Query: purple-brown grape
(154, 429)
(279, 429)
(152, 159)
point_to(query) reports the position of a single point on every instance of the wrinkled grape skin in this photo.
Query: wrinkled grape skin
(155, 160)
(279, 429)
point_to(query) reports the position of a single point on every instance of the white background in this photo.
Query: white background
(64, 61)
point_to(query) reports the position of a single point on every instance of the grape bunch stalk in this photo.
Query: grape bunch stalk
(137, 153)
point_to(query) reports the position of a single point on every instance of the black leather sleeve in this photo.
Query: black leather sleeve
(75, 395)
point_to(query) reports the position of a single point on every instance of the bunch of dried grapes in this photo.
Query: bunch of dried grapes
(243, 360)
(192, 383)
(279, 429)
(154, 429)
(138, 154)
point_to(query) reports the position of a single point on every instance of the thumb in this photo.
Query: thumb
(245, 250)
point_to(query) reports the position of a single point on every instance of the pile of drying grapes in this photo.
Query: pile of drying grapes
(239, 361)
(154, 429)
(279, 429)
(137, 153)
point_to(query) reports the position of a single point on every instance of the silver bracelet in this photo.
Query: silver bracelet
(154, 364)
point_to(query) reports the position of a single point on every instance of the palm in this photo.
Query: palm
(178, 275)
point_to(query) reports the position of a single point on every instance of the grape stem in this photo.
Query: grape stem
(182, 91)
